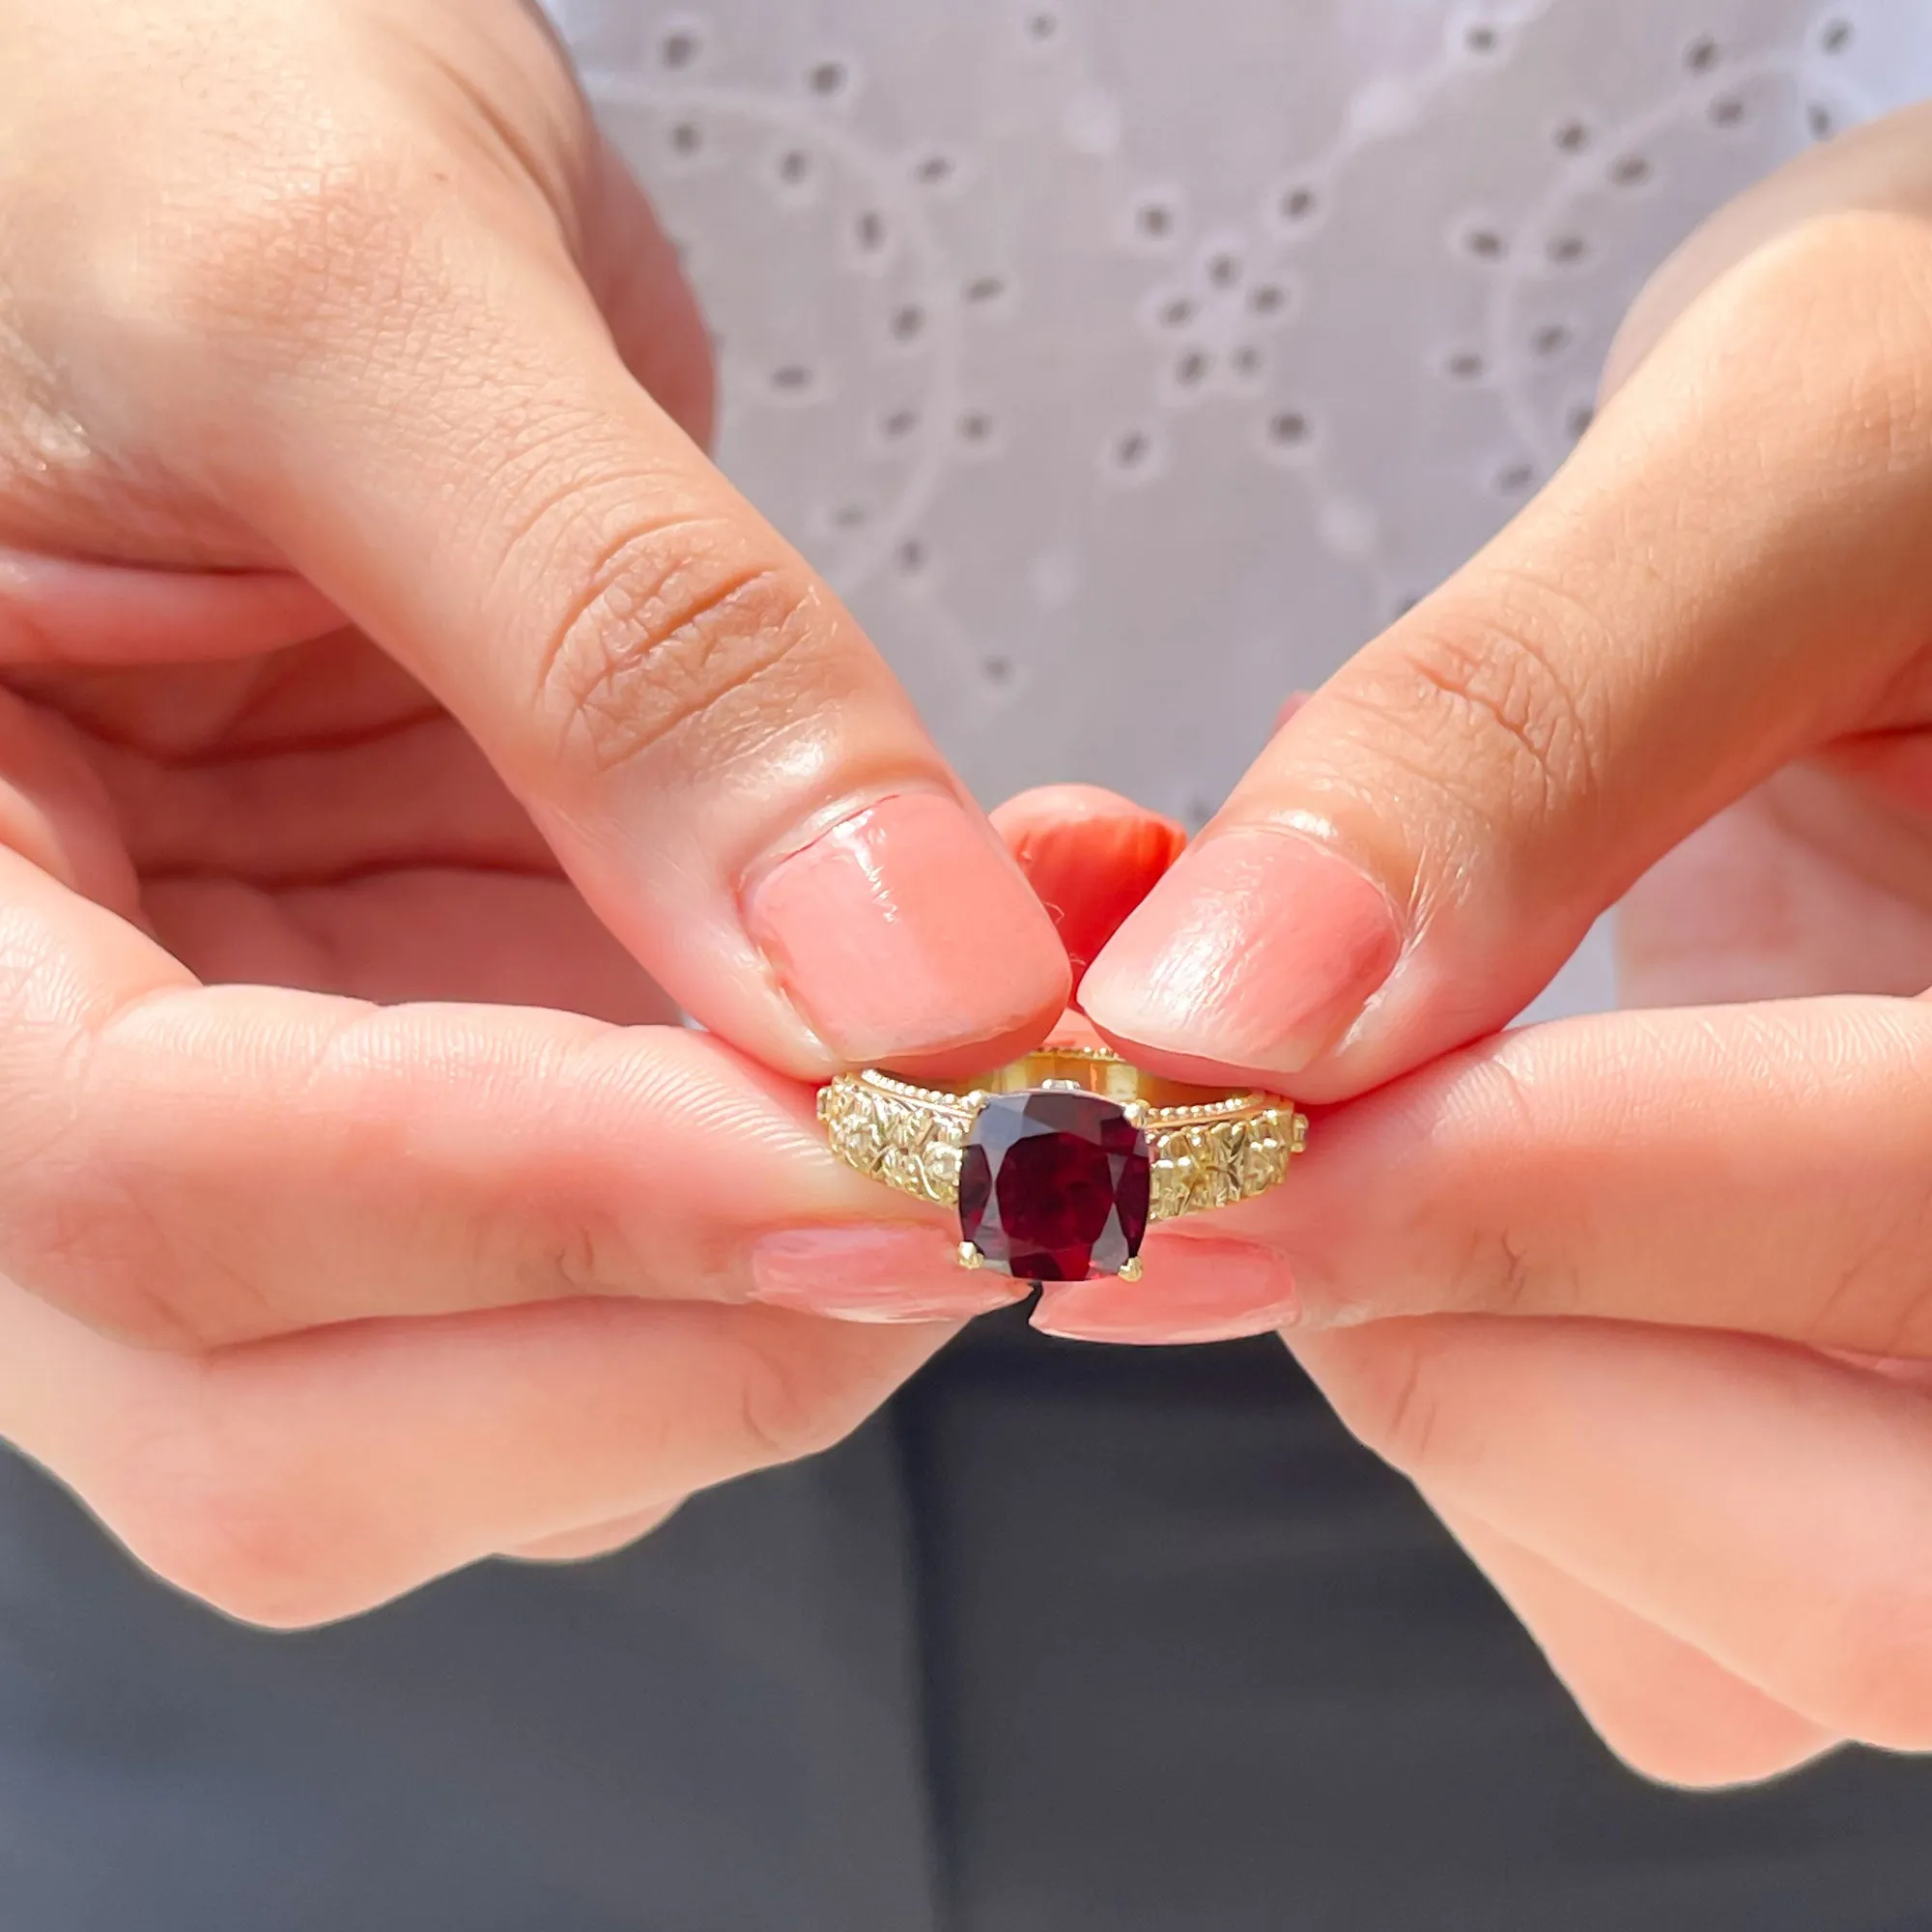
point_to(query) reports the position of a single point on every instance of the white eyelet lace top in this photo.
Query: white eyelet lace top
(1127, 363)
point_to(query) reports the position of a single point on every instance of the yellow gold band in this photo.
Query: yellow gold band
(1207, 1149)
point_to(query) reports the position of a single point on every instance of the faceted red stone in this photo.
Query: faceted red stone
(1052, 1186)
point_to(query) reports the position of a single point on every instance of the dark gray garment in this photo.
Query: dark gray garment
(1073, 1639)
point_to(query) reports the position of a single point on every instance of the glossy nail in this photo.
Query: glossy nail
(906, 929)
(1258, 951)
(874, 1275)
(1194, 1288)
(1092, 856)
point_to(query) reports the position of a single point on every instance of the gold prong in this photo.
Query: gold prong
(976, 1099)
(1133, 1268)
(1138, 1113)
(970, 1257)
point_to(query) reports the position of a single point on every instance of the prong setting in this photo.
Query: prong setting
(970, 1257)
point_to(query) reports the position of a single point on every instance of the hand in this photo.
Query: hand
(1663, 1324)
(372, 632)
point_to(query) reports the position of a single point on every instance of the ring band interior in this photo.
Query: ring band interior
(1096, 1073)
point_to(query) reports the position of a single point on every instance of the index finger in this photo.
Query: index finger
(1760, 1168)
(193, 1165)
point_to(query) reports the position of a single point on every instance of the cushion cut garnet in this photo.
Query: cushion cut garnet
(1052, 1186)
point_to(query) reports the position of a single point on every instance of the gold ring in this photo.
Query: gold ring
(1058, 1163)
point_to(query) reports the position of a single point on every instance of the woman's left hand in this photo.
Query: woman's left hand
(1661, 1283)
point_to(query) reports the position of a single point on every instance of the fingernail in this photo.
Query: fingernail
(874, 1275)
(1091, 870)
(1295, 702)
(906, 929)
(1259, 950)
(1195, 1288)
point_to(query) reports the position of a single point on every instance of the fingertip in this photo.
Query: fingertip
(1054, 807)
(1259, 951)
(1196, 1289)
(1091, 856)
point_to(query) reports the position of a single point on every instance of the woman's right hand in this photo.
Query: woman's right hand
(392, 698)
(1640, 1303)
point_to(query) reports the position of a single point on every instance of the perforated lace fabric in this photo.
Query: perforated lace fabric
(1128, 363)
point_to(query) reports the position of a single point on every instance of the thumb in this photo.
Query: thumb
(379, 350)
(1728, 572)
(1090, 855)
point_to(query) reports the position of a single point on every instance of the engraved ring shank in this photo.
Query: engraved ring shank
(1207, 1150)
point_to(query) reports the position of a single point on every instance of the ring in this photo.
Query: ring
(1058, 1163)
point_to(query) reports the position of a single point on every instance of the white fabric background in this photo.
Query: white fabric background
(1127, 363)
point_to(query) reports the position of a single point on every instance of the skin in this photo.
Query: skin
(398, 720)
(1640, 1303)
(399, 713)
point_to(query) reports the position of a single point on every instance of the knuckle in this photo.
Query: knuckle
(241, 1531)
(1499, 1277)
(673, 630)
(1838, 315)
(96, 1254)
(275, 264)
(1863, 1663)
(1470, 698)
(794, 1403)
(588, 1546)
(1389, 1399)
(578, 1259)
(1506, 1261)
(1686, 1753)
(78, 1227)
(109, 1244)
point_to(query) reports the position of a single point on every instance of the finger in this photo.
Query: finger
(66, 610)
(55, 812)
(1881, 165)
(193, 1165)
(1091, 856)
(1759, 1168)
(602, 1539)
(1664, 1708)
(307, 1478)
(338, 688)
(1757, 1502)
(1812, 885)
(719, 757)
(412, 935)
(1726, 572)
(416, 792)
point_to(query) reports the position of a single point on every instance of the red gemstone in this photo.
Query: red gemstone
(1052, 1186)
